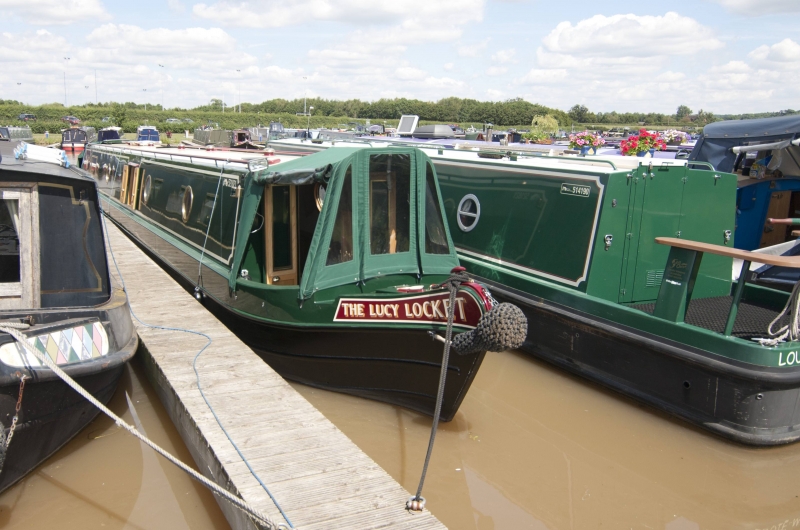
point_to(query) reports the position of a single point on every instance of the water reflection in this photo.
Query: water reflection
(106, 478)
(533, 447)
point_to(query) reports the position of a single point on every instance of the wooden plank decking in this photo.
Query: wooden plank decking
(319, 476)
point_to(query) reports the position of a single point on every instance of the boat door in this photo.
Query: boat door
(134, 173)
(280, 218)
(654, 211)
(19, 248)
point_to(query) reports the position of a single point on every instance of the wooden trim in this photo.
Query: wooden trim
(134, 197)
(123, 189)
(754, 257)
(26, 293)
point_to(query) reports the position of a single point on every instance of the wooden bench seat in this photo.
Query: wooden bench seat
(681, 269)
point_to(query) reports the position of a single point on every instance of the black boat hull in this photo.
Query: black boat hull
(396, 366)
(393, 366)
(740, 402)
(52, 414)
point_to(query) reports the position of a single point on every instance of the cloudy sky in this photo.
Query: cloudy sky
(724, 56)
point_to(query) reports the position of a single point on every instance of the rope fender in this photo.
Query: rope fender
(503, 328)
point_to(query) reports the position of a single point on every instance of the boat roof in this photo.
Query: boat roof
(215, 157)
(9, 163)
(753, 128)
(328, 157)
(528, 156)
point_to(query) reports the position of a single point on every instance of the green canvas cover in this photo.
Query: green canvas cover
(426, 246)
(305, 170)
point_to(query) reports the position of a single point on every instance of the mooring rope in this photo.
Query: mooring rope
(457, 277)
(196, 372)
(791, 331)
(12, 328)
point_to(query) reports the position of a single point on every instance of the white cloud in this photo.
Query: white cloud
(760, 7)
(631, 36)
(474, 49)
(496, 70)
(176, 6)
(279, 13)
(671, 77)
(407, 73)
(448, 66)
(209, 50)
(504, 56)
(56, 12)
(786, 51)
(544, 76)
(495, 95)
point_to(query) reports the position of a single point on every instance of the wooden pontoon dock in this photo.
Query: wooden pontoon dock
(320, 478)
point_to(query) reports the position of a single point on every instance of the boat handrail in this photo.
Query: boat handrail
(518, 153)
(170, 156)
(568, 160)
(700, 163)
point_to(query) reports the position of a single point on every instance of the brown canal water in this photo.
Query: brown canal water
(535, 448)
(531, 448)
(107, 479)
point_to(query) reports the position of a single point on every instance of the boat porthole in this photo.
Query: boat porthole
(469, 212)
(146, 189)
(319, 195)
(186, 206)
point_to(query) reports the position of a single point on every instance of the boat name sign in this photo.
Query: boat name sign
(424, 309)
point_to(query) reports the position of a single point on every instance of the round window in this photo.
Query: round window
(146, 190)
(469, 212)
(319, 195)
(186, 206)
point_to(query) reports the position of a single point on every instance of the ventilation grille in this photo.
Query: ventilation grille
(654, 277)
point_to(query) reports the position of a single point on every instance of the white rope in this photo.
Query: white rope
(12, 329)
(790, 331)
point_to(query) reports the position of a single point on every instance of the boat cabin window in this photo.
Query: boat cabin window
(186, 203)
(389, 203)
(9, 238)
(341, 248)
(205, 212)
(435, 234)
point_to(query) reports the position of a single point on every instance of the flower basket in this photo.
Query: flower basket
(644, 143)
(587, 140)
(674, 137)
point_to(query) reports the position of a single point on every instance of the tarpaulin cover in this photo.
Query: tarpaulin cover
(718, 139)
(337, 167)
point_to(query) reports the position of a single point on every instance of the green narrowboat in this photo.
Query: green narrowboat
(624, 268)
(329, 266)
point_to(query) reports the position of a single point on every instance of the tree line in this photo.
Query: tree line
(464, 111)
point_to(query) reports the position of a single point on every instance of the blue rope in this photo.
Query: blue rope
(194, 365)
